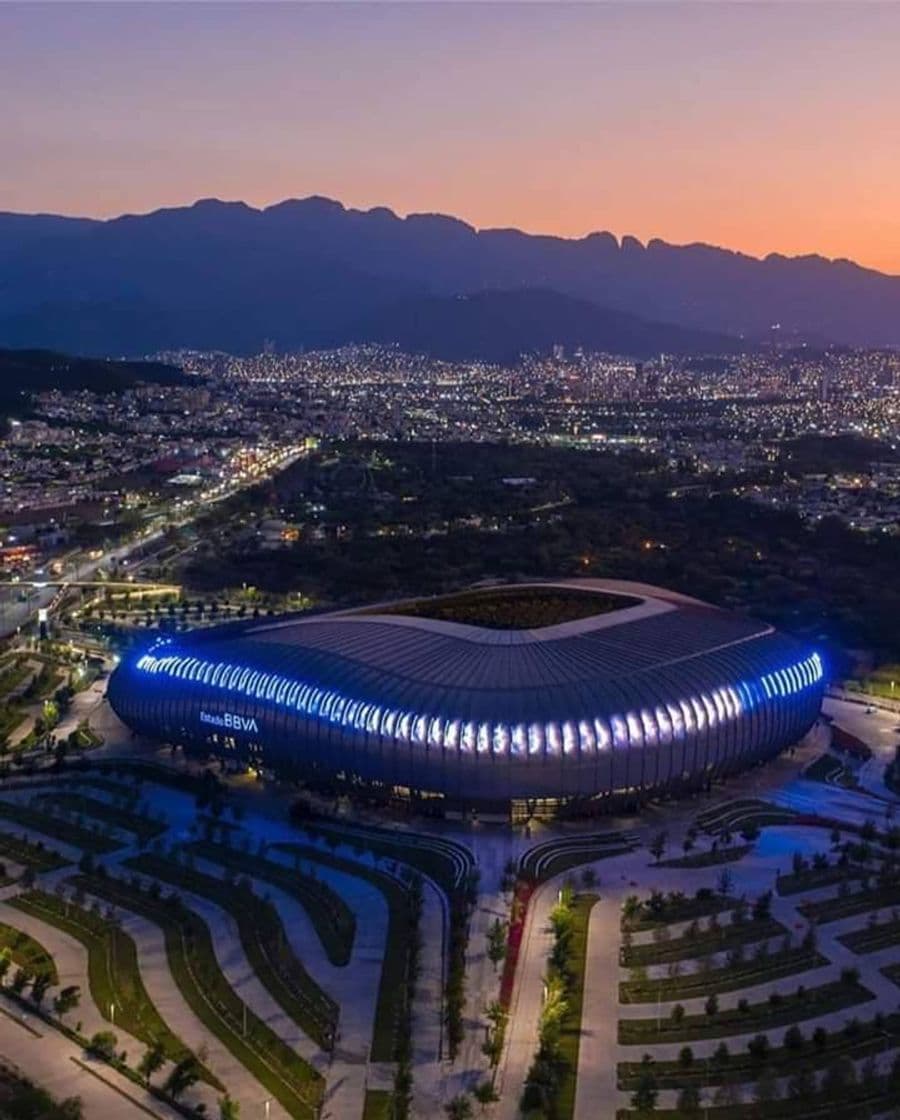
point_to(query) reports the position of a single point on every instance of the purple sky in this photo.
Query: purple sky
(764, 127)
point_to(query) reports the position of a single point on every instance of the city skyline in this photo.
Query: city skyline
(687, 122)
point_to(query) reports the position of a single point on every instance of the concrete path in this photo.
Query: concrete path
(49, 1059)
(169, 1002)
(525, 1008)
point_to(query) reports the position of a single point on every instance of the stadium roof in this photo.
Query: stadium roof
(650, 652)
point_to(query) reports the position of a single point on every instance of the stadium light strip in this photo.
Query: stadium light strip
(659, 725)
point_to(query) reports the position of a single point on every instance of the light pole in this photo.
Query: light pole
(266, 1103)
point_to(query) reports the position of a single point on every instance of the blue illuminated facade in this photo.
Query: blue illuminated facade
(665, 693)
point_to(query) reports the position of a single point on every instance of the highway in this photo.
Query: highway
(15, 615)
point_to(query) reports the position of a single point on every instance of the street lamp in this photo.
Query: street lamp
(266, 1103)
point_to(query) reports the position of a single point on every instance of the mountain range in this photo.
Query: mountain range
(312, 273)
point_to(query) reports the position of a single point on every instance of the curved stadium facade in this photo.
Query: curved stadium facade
(661, 691)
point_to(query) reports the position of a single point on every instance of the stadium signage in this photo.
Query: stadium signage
(230, 721)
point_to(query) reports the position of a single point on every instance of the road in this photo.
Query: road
(16, 615)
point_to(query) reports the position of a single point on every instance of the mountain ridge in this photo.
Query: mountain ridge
(302, 271)
(336, 205)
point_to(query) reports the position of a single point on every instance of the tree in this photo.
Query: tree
(658, 845)
(492, 1048)
(67, 1000)
(677, 1013)
(793, 1038)
(767, 1087)
(39, 987)
(496, 942)
(485, 1094)
(153, 1060)
(840, 1076)
(19, 980)
(689, 1101)
(801, 1085)
(762, 907)
(725, 883)
(553, 1012)
(229, 1108)
(185, 1074)
(685, 1057)
(645, 1095)
(5, 964)
(758, 1047)
(712, 1005)
(727, 1095)
(459, 1108)
(103, 1045)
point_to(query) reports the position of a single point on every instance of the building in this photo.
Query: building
(638, 689)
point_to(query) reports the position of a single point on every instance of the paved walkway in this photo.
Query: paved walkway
(49, 1059)
(71, 959)
(525, 1008)
(597, 1096)
(163, 991)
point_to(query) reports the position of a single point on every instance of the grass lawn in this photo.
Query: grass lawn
(667, 910)
(695, 945)
(570, 1038)
(892, 972)
(763, 1016)
(126, 819)
(264, 942)
(870, 940)
(723, 854)
(27, 953)
(192, 962)
(58, 829)
(378, 1105)
(727, 979)
(782, 1060)
(113, 973)
(858, 1103)
(332, 918)
(10, 719)
(835, 908)
(816, 877)
(35, 856)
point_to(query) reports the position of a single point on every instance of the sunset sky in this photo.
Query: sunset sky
(762, 127)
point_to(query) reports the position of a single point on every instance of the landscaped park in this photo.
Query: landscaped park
(185, 943)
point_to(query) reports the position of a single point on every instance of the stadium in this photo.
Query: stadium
(541, 692)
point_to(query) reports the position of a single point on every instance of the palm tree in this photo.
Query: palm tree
(485, 1094)
(460, 1108)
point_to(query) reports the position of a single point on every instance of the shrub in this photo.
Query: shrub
(793, 1038)
(758, 1047)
